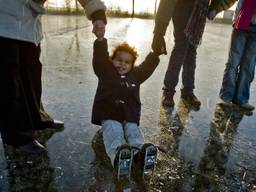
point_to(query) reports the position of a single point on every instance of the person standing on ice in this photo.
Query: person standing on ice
(240, 68)
(189, 18)
(21, 111)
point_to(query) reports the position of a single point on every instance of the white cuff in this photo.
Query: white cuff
(92, 6)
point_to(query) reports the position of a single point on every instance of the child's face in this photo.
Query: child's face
(123, 62)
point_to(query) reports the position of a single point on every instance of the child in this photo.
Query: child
(239, 70)
(117, 104)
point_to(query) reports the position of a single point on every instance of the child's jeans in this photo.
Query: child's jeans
(115, 134)
(240, 68)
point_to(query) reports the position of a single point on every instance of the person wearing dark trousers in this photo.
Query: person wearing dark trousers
(22, 111)
(189, 18)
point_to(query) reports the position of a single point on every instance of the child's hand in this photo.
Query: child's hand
(99, 28)
(211, 14)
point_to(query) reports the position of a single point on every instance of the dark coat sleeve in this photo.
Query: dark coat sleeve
(146, 68)
(101, 63)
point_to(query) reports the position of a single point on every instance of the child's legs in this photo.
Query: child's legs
(113, 137)
(247, 70)
(133, 134)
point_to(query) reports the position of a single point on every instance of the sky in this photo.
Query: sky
(140, 5)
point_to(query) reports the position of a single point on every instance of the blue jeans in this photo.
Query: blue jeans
(240, 68)
(183, 53)
(116, 134)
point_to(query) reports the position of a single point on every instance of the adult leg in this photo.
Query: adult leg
(246, 70)
(180, 49)
(33, 78)
(133, 134)
(113, 137)
(176, 59)
(17, 127)
(188, 78)
(228, 88)
(180, 18)
(31, 75)
(188, 72)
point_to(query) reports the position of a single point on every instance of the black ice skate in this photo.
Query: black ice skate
(149, 158)
(123, 163)
(145, 161)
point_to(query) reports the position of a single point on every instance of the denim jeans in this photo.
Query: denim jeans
(240, 68)
(183, 53)
(116, 134)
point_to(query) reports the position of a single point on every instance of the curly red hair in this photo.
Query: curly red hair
(125, 47)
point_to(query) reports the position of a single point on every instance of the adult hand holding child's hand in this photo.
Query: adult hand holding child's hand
(99, 29)
(158, 45)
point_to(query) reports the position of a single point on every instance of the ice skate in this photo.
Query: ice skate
(149, 158)
(145, 161)
(123, 163)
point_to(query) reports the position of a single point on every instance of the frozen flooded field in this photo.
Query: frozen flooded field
(212, 149)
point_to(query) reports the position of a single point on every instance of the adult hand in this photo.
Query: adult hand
(211, 14)
(99, 28)
(158, 45)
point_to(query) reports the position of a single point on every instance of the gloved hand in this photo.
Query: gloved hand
(211, 14)
(158, 45)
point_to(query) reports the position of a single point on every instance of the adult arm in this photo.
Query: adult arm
(147, 67)
(94, 10)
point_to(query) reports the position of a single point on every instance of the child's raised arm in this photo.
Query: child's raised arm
(100, 57)
(147, 67)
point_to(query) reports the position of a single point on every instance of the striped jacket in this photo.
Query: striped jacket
(166, 11)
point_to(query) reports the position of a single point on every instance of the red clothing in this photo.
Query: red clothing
(245, 15)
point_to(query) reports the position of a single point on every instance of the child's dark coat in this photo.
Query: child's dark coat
(118, 96)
